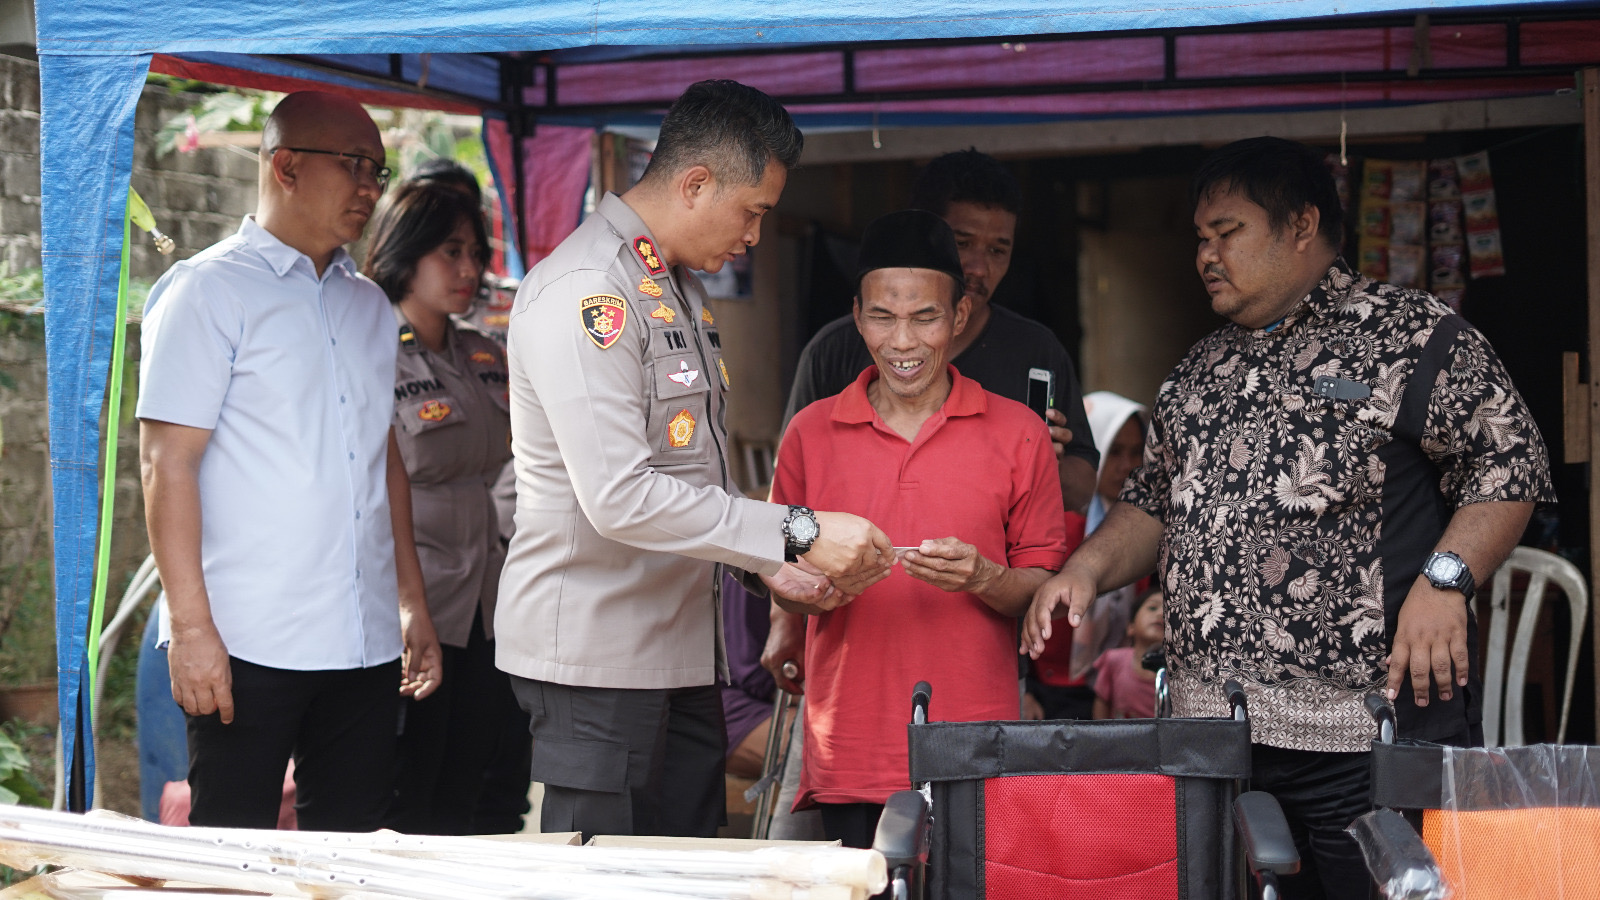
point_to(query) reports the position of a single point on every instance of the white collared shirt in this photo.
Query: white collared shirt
(293, 375)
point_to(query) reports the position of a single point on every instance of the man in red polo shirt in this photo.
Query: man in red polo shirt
(965, 478)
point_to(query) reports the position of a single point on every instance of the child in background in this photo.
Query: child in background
(1123, 687)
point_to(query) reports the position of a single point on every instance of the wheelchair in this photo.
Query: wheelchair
(1130, 809)
(1498, 823)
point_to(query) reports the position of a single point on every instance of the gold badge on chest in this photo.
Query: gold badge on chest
(680, 429)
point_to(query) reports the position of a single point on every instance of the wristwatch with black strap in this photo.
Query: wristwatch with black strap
(800, 531)
(1447, 571)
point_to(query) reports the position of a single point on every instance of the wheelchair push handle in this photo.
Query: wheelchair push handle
(921, 696)
(1234, 691)
(1383, 714)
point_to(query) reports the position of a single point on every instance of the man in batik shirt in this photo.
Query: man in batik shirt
(1324, 479)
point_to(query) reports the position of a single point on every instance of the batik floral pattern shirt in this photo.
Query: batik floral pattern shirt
(1302, 476)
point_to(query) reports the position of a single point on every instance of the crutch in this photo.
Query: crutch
(764, 792)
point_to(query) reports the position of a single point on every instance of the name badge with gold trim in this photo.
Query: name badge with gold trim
(604, 317)
(649, 256)
(680, 429)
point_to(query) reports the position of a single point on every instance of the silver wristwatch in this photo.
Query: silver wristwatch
(1447, 571)
(800, 531)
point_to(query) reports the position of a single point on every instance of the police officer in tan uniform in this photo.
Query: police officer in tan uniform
(608, 618)
(451, 419)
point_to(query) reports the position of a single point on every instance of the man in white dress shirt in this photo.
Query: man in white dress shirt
(276, 501)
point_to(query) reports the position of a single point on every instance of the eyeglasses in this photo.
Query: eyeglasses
(360, 166)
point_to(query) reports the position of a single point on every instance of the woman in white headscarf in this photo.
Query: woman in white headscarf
(1058, 681)
(1118, 425)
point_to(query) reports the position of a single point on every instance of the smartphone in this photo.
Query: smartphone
(1041, 391)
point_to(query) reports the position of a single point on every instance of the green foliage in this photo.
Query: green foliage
(21, 287)
(176, 85)
(26, 287)
(28, 650)
(18, 785)
(225, 111)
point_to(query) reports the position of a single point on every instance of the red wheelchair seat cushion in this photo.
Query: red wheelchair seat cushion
(1106, 837)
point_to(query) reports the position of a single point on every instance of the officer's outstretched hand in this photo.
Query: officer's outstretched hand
(798, 588)
(851, 551)
(1068, 593)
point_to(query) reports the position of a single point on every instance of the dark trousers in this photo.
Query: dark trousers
(503, 800)
(1321, 794)
(616, 761)
(851, 824)
(447, 740)
(337, 724)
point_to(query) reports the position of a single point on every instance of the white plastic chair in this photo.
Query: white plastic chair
(1504, 686)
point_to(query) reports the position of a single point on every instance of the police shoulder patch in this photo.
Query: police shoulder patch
(604, 316)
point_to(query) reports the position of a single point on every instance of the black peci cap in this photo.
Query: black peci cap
(909, 239)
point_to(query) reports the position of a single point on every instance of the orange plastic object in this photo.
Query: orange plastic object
(1515, 854)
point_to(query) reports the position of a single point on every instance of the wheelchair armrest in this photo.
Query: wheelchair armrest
(1399, 862)
(1265, 834)
(902, 835)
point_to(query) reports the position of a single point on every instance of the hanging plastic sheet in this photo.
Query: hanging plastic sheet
(1519, 821)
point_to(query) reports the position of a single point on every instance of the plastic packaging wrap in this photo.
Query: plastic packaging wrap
(1399, 863)
(1519, 821)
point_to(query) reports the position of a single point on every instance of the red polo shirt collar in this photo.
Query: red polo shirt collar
(967, 398)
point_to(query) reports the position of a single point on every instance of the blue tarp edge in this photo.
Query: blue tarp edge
(86, 125)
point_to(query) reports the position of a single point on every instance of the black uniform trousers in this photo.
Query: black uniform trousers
(447, 741)
(631, 762)
(337, 724)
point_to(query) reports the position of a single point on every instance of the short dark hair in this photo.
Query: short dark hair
(413, 221)
(1280, 176)
(966, 176)
(730, 128)
(448, 172)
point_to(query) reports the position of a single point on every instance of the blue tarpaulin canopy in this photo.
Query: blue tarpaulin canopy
(507, 57)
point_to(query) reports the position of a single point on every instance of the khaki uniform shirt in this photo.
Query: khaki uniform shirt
(450, 416)
(624, 499)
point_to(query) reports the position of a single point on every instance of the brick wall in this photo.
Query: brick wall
(197, 200)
